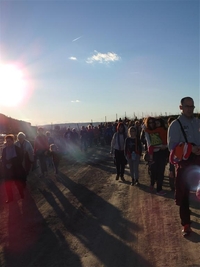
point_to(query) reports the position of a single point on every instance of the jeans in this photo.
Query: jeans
(134, 168)
(157, 169)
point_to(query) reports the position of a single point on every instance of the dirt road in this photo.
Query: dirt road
(84, 218)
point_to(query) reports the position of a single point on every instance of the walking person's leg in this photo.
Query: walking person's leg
(8, 185)
(182, 200)
(9, 192)
(20, 186)
(153, 174)
(131, 168)
(161, 161)
(117, 162)
(136, 169)
(43, 165)
(122, 165)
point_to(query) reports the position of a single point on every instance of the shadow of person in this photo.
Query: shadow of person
(194, 237)
(30, 239)
(98, 225)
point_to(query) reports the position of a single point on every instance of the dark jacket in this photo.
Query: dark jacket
(16, 172)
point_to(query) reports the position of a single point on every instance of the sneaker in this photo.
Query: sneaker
(137, 183)
(132, 184)
(186, 230)
(117, 177)
(161, 193)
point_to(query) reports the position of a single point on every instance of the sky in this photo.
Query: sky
(96, 61)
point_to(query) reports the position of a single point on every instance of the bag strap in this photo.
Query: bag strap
(183, 131)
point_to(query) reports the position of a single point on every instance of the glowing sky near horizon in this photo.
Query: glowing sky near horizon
(85, 61)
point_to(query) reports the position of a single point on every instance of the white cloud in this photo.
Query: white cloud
(73, 58)
(103, 58)
(75, 101)
(76, 39)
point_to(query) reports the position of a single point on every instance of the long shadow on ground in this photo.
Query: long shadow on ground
(88, 221)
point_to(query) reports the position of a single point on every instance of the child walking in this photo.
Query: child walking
(133, 151)
(158, 136)
(54, 153)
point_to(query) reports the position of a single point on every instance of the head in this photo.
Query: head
(160, 122)
(21, 137)
(137, 123)
(53, 147)
(48, 134)
(120, 127)
(187, 106)
(132, 131)
(150, 123)
(9, 139)
(40, 130)
(157, 123)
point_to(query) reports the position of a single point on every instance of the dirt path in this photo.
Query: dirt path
(84, 218)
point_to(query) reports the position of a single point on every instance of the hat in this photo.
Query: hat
(180, 152)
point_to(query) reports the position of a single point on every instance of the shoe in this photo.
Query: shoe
(137, 183)
(161, 193)
(132, 184)
(122, 178)
(117, 177)
(186, 230)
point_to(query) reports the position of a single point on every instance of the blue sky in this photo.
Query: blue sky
(97, 60)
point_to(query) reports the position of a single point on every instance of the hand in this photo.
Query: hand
(196, 150)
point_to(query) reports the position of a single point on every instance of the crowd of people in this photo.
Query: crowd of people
(174, 143)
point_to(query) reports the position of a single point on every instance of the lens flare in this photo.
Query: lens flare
(193, 177)
(13, 85)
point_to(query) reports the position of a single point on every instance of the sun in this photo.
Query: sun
(12, 85)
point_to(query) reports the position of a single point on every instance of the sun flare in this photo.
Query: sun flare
(12, 85)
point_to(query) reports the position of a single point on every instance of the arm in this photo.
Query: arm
(125, 147)
(113, 143)
(173, 135)
(148, 140)
(30, 152)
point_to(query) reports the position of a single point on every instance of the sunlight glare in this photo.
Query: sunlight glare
(12, 85)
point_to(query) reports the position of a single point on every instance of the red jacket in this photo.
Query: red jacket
(41, 143)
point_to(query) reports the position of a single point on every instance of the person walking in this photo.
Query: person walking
(12, 157)
(41, 148)
(55, 156)
(185, 130)
(27, 150)
(117, 147)
(159, 153)
(133, 151)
